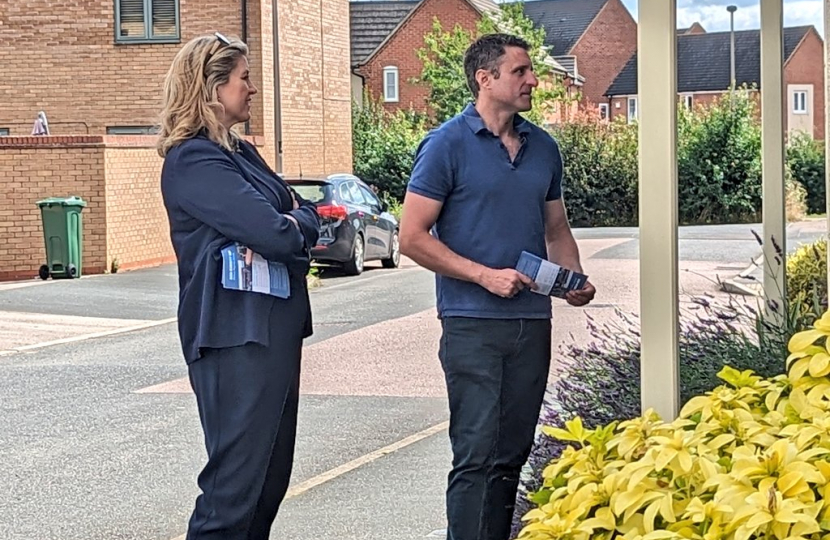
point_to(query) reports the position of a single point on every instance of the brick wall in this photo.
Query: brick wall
(806, 67)
(315, 93)
(73, 69)
(118, 177)
(36, 168)
(64, 61)
(400, 50)
(604, 49)
(137, 231)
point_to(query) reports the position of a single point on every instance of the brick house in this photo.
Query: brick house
(703, 73)
(696, 28)
(596, 37)
(96, 68)
(385, 37)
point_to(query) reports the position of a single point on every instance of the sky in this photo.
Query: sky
(713, 16)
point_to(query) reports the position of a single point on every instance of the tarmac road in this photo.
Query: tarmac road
(99, 433)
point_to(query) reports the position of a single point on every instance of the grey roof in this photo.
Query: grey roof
(370, 22)
(703, 61)
(564, 21)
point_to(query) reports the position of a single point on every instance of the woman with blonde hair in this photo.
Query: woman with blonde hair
(242, 347)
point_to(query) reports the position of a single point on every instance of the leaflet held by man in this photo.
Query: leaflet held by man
(550, 278)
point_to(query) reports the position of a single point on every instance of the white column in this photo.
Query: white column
(657, 88)
(772, 124)
(826, 91)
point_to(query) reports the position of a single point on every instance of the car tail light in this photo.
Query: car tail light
(333, 211)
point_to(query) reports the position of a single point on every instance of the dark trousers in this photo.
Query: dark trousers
(247, 398)
(496, 373)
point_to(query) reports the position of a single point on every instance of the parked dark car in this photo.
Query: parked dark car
(354, 224)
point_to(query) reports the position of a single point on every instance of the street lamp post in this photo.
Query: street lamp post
(732, 10)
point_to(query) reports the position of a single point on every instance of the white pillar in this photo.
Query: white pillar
(772, 124)
(826, 91)
(657, 88)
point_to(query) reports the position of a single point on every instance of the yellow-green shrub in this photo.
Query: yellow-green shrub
(747, 460)
(807, 281)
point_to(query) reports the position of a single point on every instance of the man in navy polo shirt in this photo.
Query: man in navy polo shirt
(485, 186)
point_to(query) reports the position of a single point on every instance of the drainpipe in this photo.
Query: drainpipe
(275, 17)
(244, 10)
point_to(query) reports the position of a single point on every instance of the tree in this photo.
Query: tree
(384, 145)
(443, 60)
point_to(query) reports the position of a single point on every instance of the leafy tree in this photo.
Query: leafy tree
(443, 60)
(384, 145)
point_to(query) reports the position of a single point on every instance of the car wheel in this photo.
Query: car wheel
(355, 266)
(395, 257)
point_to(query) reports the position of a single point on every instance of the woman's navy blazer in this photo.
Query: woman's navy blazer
(214, 197)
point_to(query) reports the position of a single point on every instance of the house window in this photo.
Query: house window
(687, 101)
(146, 20)
(4, 132)
(800, 102)
(131, 130)
(390, 84)
(632, 109)
(603, 111)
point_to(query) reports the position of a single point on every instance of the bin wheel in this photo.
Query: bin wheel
(73, 272)
(43, 272)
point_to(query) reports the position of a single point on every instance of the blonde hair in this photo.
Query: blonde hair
(190, 103)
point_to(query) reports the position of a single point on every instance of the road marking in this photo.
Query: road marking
(328, 476)
(397, 272)
(85, 337)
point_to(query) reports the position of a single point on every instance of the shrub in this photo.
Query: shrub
(719, 161)
(807, 281)
(384, 145)
(747, 460)
(600, 161)
(805, 160)
(600, 381)
(795, 198)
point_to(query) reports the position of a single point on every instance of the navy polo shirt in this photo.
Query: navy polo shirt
(493, 209)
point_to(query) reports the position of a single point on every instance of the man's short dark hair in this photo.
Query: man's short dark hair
(485, 53)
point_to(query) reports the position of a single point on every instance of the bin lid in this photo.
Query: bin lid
(62, 201)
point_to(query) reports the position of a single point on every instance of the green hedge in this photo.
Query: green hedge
(805, 159)
(384, 145)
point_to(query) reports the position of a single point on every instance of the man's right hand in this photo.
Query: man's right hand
(505, 282)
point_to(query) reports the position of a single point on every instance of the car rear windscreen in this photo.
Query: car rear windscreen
(315, 193)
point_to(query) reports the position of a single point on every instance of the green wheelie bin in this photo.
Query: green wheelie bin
(63, 233)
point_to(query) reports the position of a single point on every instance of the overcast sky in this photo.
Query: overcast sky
(713, 16)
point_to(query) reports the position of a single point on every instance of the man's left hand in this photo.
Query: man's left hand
(582, 296)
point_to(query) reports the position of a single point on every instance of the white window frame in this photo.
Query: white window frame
(803, 107)
(688, 101)
(635, 116)
(604, 111)
(387, 96)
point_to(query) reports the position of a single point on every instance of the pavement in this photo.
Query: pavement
(99, 432)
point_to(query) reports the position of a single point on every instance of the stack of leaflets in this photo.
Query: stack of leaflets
(550, 278)
(260, 276)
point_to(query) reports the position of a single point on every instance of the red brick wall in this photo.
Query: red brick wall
(400, 50)
(604, 49)
(806, 66)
